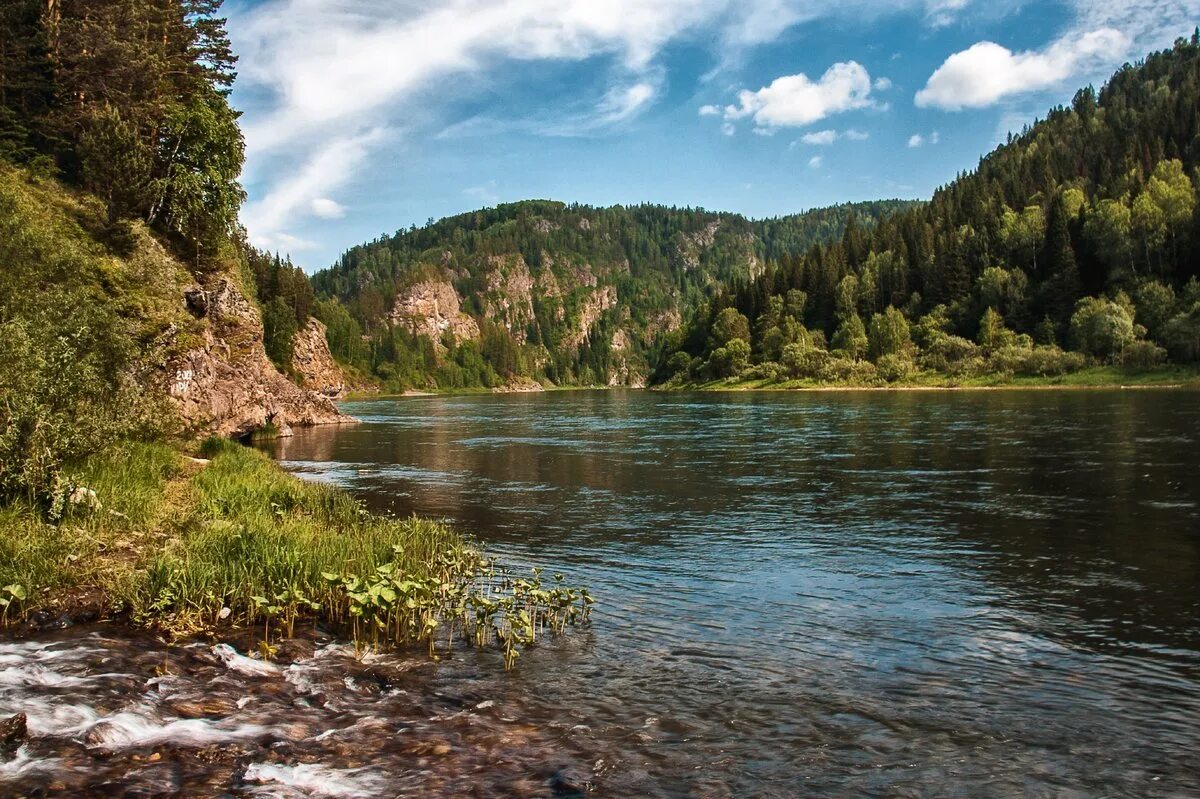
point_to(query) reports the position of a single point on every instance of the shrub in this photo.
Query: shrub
(730, 360)
(894, 367)
(801, 361)
(947, 353)
(1143, 355)
(1101, 327)
(1050, 361)
(846, 370)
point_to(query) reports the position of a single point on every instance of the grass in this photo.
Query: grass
(1090, 377)
(192, 545)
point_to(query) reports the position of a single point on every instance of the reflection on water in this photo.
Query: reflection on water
(881, 594)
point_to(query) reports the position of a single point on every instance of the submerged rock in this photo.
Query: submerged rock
(13, 732)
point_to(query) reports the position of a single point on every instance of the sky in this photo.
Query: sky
(363, 117)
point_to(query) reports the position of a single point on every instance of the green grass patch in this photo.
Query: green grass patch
(196, 545)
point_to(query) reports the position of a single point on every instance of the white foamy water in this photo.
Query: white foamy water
(314, 780)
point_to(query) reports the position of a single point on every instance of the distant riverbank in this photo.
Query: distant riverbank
(1098, 377)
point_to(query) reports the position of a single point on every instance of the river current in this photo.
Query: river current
(803, 594)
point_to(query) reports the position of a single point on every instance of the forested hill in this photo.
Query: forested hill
(545, 291)
(1081, 234)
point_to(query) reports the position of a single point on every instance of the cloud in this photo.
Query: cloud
(940, 13)
(815, 162)
(916, 140)
(709, 111)
(623, 102)
(326, 208)
(854, 134)
(986, 72)
(795, 100)
(728, 128)
(882, 84)
(303, 193)
(486, 193)
(820, 138)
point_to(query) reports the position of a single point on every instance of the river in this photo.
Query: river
(804, 594)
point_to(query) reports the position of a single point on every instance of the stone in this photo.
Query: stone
(13, 732)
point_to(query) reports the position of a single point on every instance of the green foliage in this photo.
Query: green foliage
(851, 338)
(1101, 327)
(128, 100)
(81, 334)
(659, 261)
(889, 334)
(1091, 200)
(731, 359)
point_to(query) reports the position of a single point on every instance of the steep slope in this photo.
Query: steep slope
(568, 294)
(1083, 232)
(152, 326)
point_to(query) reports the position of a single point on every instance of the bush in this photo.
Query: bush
(730, 360)
(1101, 327)
(801, 361)
(1143, 355)
(947, 353)
(1050, 361)
(894, 367)
(768, 371)
(846, 370)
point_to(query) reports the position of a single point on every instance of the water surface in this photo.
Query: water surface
(835, 594)
(917, 593)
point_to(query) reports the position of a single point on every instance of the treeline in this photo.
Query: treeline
(660, 261)
(1081, 234)
(127, 100)
(286, 297)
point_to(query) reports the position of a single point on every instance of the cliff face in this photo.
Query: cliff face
(432, 308)
(314, 364)
(227, 385)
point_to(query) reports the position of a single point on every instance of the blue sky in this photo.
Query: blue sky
(365, 116)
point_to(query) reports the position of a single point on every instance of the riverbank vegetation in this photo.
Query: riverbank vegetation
(119, 157)
(1073, 247)
(216, 544)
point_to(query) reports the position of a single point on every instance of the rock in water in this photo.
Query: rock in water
(13, 732)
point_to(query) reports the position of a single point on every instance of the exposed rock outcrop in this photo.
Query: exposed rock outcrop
(432, 308)
(510, 295)
(227, 385)
(595, 304)
(314, 364)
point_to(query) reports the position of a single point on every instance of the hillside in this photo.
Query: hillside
(127, 299)
(1074, 244)
(543, 291)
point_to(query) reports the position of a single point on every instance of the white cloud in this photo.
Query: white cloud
(623, 102)
(326, 208)
(935, 137)
(882, 84)
(303, 193)
(820, 138)
(940, 13)
(853, 134)
(815, 162)
(916, 140)
(986, 72)
(485, 193)
(709, 111)
(795, 100)
(728, 128)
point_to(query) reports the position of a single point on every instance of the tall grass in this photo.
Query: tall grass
(187, 546)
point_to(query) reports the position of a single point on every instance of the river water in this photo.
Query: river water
(804, 594)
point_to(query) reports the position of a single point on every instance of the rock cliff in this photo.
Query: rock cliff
(227, 385)
(313, 363)
(432, 308)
